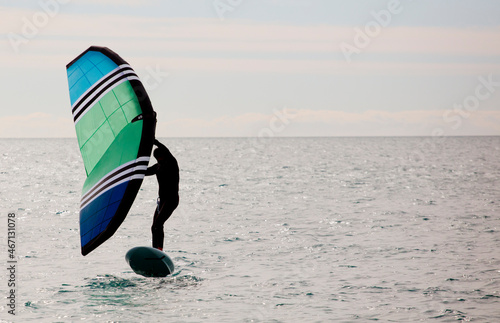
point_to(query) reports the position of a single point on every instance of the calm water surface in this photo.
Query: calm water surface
(274, 230)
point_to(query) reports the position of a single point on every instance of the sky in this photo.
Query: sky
(266, 68)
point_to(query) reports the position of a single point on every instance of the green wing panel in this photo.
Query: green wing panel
(98, 128)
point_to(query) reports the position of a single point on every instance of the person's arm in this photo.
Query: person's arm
(159, 144)
(164, 148)
(152, 170)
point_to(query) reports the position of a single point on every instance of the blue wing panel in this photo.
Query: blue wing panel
(86, 71)
(95, 217)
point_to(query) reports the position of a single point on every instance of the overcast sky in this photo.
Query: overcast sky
(264, 67)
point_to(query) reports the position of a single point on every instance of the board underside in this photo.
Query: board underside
(149, 262)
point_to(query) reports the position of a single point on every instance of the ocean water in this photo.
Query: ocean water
(268, 230)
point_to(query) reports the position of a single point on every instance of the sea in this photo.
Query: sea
(362, 229)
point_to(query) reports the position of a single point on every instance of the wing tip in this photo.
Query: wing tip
(95, 48)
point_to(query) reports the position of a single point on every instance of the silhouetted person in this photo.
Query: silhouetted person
(167, 174)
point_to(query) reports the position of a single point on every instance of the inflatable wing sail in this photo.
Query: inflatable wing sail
(115, 126)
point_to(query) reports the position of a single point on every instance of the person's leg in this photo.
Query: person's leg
(164, 211)
(156, 230)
